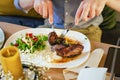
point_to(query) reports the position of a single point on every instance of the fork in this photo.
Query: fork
(53, 27)
(67, 28)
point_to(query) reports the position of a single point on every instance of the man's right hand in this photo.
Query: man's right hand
(44, 8)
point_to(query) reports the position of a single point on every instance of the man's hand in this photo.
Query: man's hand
(89, 9)
(44, 8)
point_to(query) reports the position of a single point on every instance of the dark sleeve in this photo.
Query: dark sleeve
(109, 18)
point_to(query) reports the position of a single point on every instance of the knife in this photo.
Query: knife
(69, 26)
(2, 38)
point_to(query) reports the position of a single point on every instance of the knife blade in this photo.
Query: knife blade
(69, 26)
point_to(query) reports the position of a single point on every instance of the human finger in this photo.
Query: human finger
(50, 11)
(85, 12)
(45, 9)
(36, 7)
(92, 12)
(40, 9)
(78, 13)
(99, 9)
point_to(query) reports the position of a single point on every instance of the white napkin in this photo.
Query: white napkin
(93, 61)
(92, 74)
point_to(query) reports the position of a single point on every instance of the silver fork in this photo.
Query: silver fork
(67, 28)
(52, 25)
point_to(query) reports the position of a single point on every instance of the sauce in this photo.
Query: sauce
(63, 60)
(66, 59)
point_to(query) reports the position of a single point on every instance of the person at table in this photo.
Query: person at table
(61, 12)
(9, 13)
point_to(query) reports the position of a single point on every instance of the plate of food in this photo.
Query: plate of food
(45, 47)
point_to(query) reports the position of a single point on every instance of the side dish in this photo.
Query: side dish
(31, 43)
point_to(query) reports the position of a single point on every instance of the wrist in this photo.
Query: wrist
(26, 4)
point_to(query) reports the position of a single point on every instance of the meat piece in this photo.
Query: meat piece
(62, 49)
(60, 40)
(58, 47)
(52, 37)
(68, 51)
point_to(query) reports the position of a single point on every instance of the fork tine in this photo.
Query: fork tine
(67, 28)
(64, 33)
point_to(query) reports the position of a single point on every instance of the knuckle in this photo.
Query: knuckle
(98, 11)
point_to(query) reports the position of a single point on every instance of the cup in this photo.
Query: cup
(10, 60)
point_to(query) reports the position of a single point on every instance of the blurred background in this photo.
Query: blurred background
(111, 35)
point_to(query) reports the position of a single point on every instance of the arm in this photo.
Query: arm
(114, 4)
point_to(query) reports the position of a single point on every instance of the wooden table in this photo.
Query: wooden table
(56, 74)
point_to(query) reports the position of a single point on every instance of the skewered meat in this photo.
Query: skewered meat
(62, 49)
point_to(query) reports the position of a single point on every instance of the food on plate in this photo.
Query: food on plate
(51, 48)
(52, 36)
(64, 47)
(31, 43)
(68, 50)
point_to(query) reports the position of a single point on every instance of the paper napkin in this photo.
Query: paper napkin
(93, 61)
(92, 74)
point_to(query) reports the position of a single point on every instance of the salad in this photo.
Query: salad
(31, 43)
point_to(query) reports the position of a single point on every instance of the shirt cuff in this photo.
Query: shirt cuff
(17, 5)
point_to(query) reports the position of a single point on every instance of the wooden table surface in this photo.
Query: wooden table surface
(55, 73)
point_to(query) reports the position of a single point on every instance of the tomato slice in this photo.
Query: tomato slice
(29, 35)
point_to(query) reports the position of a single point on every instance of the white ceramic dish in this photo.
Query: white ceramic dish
(2, 37)
(71, 34)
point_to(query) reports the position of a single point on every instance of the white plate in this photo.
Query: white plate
(71, 34)
(2, 37)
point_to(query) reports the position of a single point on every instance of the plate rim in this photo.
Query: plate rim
(3, 37)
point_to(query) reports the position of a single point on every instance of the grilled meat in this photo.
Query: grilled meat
(52, 38)
(69, 50)
(63, 49)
